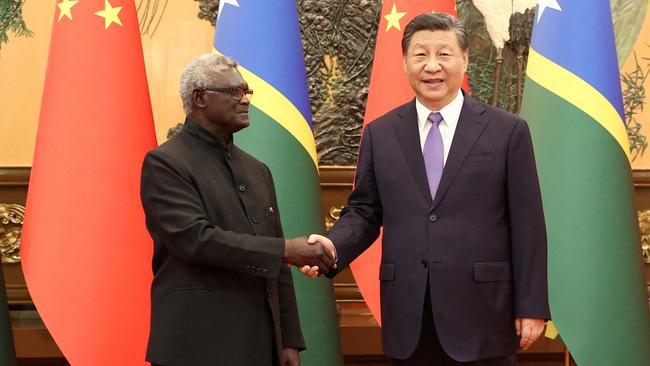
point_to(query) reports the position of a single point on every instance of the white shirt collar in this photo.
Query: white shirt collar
(450, 113)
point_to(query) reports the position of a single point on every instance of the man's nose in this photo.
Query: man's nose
(432, 65)
(246, 99)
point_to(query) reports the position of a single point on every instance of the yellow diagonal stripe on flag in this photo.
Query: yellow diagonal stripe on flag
(578, 92)
(280, 109)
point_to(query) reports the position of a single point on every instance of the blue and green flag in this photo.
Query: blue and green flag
(572, 101)
(264, 38)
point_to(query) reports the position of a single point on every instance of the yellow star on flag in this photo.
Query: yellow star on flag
(65, 8)
(110, 14)
(393, 19)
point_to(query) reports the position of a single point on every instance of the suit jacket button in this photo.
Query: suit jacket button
(255, 220)
(242, 188)
(433, 217)
(228, 155)
(424, 263)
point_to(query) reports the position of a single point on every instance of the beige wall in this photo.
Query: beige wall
(180, 36)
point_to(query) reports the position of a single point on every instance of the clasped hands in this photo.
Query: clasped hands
(313, 256)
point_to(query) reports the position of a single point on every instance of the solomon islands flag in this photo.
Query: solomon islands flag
(572, 101)
(264, 38)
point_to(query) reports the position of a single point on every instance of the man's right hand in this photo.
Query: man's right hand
(299, 253)
(313, 271)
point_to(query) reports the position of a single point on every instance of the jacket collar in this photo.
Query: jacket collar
(471, 124)
(201, 133)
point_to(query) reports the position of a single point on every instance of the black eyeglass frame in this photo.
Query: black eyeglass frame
(236, 92)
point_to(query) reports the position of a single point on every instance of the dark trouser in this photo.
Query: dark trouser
(429, 352)
(263, 352)
(275, 362)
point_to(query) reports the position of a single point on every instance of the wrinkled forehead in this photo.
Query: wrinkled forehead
(226, 75)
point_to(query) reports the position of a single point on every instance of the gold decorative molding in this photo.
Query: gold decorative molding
(335, 213)
(644, 228)
(11, 220)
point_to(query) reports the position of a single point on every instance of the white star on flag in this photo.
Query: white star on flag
(223, 3)
(543, 4)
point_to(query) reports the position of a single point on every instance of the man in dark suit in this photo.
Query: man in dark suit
(453, 183)
(222, 293)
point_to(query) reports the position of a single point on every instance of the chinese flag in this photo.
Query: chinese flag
(86, 252)
(389, 88)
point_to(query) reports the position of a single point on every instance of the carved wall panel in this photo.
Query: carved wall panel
(339, 40)
(11, 224)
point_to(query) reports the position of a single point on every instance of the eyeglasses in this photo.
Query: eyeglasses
(236, 93)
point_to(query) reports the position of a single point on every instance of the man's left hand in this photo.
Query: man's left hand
(529, 329)
(291, 357)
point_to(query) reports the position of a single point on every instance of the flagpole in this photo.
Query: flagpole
(567, 356)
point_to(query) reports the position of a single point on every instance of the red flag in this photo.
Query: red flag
(388, 89)
(86, 252)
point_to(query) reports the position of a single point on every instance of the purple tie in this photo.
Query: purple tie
(433, 153)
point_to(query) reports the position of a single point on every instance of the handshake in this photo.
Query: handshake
(313, 256)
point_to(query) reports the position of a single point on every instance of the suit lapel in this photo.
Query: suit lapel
(406, 129)
(470, 126)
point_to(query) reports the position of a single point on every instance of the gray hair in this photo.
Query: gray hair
(198, 73)
(435, 22)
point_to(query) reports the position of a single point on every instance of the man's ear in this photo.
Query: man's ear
(199, 98)
(465, 60)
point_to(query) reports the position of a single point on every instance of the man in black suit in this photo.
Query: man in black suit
(453, 183)
(222, 293)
